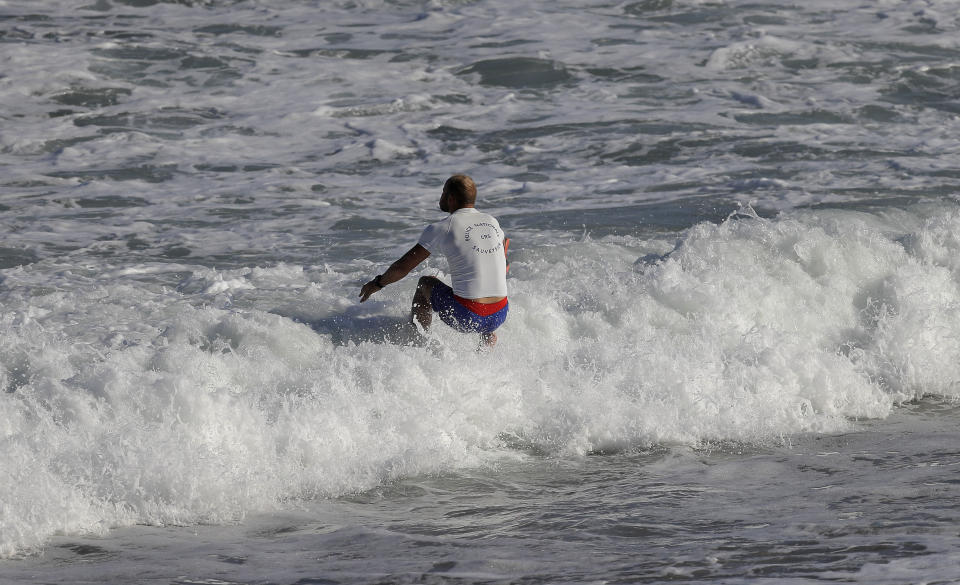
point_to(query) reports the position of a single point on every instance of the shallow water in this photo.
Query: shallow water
(732, 349)
(860, 507)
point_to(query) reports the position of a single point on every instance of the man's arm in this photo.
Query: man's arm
(397, 270)
(506, 247)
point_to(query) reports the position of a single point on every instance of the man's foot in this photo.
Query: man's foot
(414, 334)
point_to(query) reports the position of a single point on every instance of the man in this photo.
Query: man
(475, 248)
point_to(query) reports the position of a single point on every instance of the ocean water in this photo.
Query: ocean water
(733, 351)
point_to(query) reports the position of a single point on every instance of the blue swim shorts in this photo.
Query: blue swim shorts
(456, 312)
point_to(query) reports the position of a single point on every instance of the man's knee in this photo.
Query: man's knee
(425, 285)
(421, 297)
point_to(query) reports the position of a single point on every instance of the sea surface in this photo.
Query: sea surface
(733, 349)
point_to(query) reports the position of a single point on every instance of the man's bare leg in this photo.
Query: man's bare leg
(421, 311)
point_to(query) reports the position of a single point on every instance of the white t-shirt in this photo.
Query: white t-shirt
(473, 244)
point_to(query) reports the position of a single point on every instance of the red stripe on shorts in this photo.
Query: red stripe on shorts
(482, 309)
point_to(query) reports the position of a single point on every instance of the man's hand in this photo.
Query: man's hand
(368, 289)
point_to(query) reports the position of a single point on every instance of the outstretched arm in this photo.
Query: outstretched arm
(397, 270)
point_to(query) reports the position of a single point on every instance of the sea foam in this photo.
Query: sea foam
(127, 402)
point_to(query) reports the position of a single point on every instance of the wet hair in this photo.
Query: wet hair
(462, 189)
